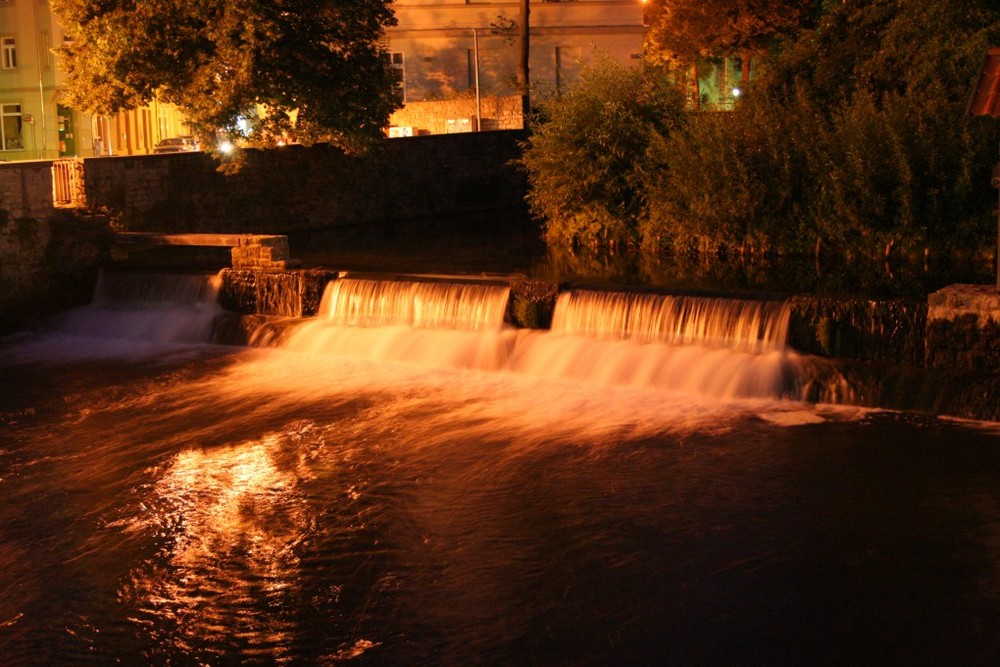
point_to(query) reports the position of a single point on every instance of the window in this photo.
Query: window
(67, 42)
(8, 57)
(10, 127)
(396, 62)
(46, 49)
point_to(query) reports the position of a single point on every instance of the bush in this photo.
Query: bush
(586, 157)
(733, 182)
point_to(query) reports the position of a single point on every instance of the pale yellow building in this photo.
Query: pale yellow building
(34, 123)
(443, 48)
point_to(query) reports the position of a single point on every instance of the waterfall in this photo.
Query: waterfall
(435, 324)
(739, 324)
(726, 348)
(147, 307)
(708, 346)
(151, 290)
(422, 305)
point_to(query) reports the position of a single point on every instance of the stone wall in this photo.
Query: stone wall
(26, 189)
(963, 328)
(48, 265)
(881, 330)
(296, 188)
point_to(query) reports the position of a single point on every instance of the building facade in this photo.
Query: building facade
(457, 62)
(34, 122)
(458, 59)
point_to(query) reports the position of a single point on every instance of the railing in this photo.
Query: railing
(67, 183)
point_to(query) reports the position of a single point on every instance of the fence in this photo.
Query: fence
(67, 183)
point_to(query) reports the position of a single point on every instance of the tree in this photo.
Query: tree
(854, 140)
(315, 69)
(681, 31)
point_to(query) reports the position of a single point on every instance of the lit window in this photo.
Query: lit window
(10, 127)
(396, 62)
(9, 53)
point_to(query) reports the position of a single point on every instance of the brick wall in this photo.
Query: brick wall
(298, 188)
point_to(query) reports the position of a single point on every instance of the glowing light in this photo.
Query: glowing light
(225, 147)
(737, 92)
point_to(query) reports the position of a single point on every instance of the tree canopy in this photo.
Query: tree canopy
(681, 31)
(854, 138)
(315, 69)
(685, 29)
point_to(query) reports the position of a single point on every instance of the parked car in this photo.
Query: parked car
(177, 145)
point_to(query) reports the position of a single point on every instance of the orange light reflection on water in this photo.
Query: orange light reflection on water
(231, 520)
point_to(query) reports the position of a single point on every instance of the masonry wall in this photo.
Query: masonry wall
(298, 188)
(26, 189)
(48, 265)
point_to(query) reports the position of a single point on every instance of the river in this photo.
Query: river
(347, 496)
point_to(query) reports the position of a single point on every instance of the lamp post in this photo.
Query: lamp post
(522, 69)
(41, 81)
(475, 56)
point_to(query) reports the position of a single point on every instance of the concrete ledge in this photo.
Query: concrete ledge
(247, 251)
(226, 240)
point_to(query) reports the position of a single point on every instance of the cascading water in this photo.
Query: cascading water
(710, 346)
(703, 346)
(423, 305)
(436, 324)
(132, 311)
(739, 324)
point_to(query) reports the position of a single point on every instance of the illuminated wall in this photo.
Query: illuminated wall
(435, 45)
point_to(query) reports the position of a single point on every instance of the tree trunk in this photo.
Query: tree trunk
(745, 70)
(696, 86)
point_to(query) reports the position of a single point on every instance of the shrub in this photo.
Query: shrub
(585, 159)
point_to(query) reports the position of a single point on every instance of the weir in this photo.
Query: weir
(712, 346)
(147, 307)
(705, 345)
(740, 324)
(424, 305)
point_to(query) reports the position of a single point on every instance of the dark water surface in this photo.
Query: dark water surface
(212, 505)
(510, 242)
